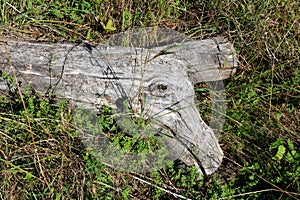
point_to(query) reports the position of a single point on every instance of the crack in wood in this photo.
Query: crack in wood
(156, 83)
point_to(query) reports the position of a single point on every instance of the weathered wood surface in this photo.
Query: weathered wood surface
(157, 82)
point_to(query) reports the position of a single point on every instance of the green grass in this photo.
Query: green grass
(41, 156)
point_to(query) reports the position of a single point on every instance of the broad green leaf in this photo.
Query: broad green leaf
(280, 152)
(109, 26)
(276, 144)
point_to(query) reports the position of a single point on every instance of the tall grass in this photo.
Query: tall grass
(261, 135)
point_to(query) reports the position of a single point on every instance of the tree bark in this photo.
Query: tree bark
(154, 82)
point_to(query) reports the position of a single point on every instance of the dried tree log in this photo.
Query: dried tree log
(157, 82)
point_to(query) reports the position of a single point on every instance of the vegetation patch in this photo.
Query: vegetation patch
(42, 156)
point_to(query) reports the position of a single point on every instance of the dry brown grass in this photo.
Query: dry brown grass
(263, 102)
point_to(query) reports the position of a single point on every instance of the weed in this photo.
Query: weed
(260, 138)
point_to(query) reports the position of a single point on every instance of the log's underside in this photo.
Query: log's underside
(153, 82)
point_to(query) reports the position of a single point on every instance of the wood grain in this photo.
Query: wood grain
(155, 82)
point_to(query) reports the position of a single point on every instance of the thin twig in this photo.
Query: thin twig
(247, 193)
(19, 91)
(163, 189)
(291, 194)
(18, 11)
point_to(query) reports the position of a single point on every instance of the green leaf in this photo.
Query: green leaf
(109, 26)
(290, 156)
(28, 177)
(89, 34)
(276, 144)
(280, 152)
(290, 144)
(202, 89)
(279, 116)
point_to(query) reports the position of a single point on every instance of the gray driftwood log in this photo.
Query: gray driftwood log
(156, 83)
